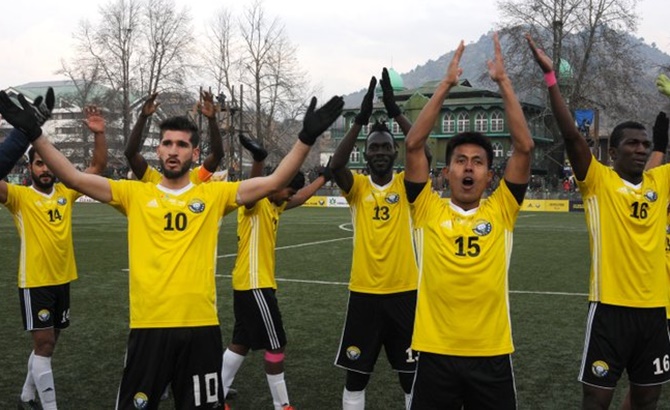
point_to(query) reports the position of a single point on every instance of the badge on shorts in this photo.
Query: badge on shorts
(353, 353)
(44, 315)
(600, 368)
(140, 400)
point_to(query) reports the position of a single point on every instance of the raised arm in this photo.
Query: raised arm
(24, 119)
(315, 123)
(213, 159)
(11, 149)
(338, 163)
(576, 145)
(132, 152)
(306, 192)
(392, 109)
(96, 124)
(517, 170)
(258, 153)
(660, 138)
(16, 143)
(416, 167)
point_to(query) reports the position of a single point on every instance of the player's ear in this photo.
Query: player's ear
(196, 153)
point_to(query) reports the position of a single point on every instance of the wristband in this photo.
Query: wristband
(550, 78)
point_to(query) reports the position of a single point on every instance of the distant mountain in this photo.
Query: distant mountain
(478, 52)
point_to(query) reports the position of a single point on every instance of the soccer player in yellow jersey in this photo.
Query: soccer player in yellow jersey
(382, 286)
(660, 139)
(42, 214)
(462, 327)
(258, 321)
(199, 174)
(172, 240)
(626, 214)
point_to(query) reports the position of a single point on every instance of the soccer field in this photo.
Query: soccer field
(548, 288)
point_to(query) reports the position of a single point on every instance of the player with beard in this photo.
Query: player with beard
(199, 174)
(382, 287)
(173, 231)
(462, 327)
(43, 217)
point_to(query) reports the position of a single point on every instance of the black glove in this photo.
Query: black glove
(23, 119)
(392, 108)
(254, 147)
(44, 106)
(363, 117)
(660, 136)
(317, 121)
(326, 172)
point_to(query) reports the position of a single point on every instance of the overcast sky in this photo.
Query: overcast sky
(340, 43)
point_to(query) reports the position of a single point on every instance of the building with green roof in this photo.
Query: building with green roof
(465, 109)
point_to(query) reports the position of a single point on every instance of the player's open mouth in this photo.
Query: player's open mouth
(467, 181)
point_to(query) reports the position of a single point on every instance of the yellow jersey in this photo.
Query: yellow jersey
(256, 241)
(464, 256)
(44, 225)
(172, 240)
(383, 258)
(626, 225)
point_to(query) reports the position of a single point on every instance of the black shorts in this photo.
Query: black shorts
(45, 307)
(189, 358)
(455, 382)
(374, 321)
(258, 323)
(618, 338)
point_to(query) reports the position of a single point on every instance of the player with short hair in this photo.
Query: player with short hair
(42, 214)
(199, 174)
(258, 321)
(382, 286)
(626, 214)
(462, 329)
(172, 240)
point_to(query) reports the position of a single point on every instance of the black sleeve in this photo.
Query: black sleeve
(413, 189)
(518, 190)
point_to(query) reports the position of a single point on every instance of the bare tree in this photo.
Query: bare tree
(271, 71)
(110, 44)
(167, 40)
(590, 35)
(252, 54)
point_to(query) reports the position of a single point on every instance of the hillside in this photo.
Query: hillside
(474, 69)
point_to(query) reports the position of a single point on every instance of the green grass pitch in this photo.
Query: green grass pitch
(548, 286)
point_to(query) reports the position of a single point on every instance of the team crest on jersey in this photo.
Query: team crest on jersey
(353, 353)
(196, 206)
(44, 315)
(600, 368)
(140, 400)
(62, 200)
(651, 195)
(392, 198)
(482, 228)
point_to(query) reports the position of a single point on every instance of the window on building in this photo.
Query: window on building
(497, 121)
(365, 129)
(498, 150)
(395, 128)
(355, 155)
(481, 123)
(448, 124)
(463, 122)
